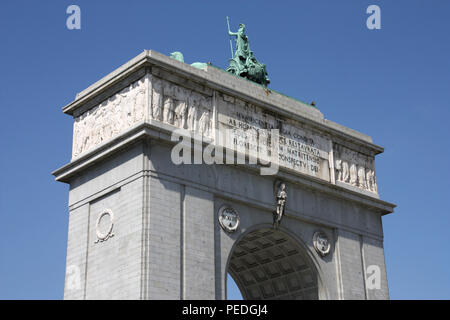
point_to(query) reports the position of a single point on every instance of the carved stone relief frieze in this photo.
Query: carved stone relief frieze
(171, 104)
(110, 118)
(181, 107)
(354, 168)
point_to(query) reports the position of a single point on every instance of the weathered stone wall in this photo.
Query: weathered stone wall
(109, 269)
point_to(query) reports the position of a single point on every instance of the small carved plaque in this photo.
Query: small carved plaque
(228, 219)
(104, 225)
(321, 243)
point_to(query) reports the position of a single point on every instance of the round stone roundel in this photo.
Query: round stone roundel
(321, 243)
(228, 219)
(104, 225)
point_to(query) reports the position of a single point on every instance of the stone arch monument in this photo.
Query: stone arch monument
(145, 225)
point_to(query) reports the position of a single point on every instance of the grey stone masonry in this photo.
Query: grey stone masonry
(144, 226)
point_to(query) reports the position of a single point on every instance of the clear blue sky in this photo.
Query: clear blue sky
(393, 84)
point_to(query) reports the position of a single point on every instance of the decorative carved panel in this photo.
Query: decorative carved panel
(354, 168)
(110, 118)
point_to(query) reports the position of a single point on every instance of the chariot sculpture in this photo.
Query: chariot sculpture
(244, 63)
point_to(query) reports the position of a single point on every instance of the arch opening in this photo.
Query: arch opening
(268, 264)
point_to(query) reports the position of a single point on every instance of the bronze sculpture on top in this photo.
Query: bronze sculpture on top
(244, 63)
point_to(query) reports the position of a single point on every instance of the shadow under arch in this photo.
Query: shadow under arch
(267, 263)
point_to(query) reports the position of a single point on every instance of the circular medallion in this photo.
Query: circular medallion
(104, 225)
(228, 219)
(321, 243)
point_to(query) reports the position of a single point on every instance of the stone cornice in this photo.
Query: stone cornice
(162, 132)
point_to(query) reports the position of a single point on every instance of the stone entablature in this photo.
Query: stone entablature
(162, 90)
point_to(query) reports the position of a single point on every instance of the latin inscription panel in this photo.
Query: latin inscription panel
(249, 127)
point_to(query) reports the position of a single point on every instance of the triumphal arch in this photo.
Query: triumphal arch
(181, 174)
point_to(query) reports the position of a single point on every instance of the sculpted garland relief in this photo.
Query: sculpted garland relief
(181, 107)
(110, 118)
(355, 169)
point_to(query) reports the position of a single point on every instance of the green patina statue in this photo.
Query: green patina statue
(244, 63)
